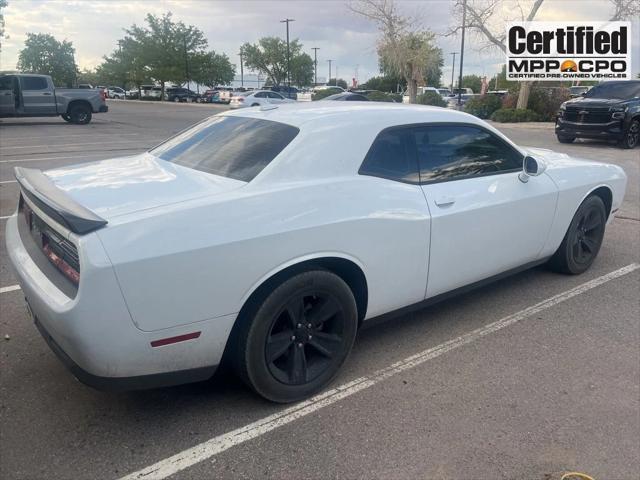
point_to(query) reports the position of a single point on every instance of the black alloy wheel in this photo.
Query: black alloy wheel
(632, 135)
(80, 114)
(304, 338)
(583, 240)
(291, 344)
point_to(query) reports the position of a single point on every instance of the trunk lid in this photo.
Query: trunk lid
(119, 186)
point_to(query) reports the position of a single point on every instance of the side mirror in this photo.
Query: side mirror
(531, 167)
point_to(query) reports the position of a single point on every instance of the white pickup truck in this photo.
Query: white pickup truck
(30, 95)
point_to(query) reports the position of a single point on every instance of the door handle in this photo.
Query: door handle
(47, 93)
(445, 201)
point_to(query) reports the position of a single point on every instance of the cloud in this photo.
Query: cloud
(94, 26)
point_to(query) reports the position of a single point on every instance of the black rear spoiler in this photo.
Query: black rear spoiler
(36, 186)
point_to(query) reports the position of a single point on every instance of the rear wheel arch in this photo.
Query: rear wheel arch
(346, 269)
(74, 103)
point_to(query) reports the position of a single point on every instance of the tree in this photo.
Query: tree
(3, 4)
(385, 84)
(163, 48)
(269, 57)
(474, 82)
(212, 69)
(42, 53)
(339, 82)
(404, 49)
(488, 21)
(90, 77)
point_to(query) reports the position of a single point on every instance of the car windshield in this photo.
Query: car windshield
(617, 90)
(233, 147)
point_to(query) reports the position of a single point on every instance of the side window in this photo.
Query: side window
(457, 151)
(34, 83)
(6, 83)
(260, 95)
(391, 156)
(275, 95)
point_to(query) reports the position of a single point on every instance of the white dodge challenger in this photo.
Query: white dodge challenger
(265, 237)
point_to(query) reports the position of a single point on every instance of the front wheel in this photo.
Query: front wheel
(66, 117)
(583, 239)
(632, 135)
(298, 338)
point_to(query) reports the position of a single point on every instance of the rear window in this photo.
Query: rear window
(34, 83)
(233, 147)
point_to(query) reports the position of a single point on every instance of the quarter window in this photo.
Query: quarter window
(457, 151)
(391, 156)
(34, 83)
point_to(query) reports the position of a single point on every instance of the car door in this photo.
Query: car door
(275, 97)
(37, 95)
(484, 220)
(8, 91)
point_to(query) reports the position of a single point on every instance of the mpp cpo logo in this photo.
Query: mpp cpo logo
(569, 51)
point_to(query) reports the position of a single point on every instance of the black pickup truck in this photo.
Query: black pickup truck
(610, 111)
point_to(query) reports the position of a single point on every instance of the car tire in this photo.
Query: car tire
(294, 342)
(255, 104)
(583, 239)
(80, 114)
(566, 139)
(631, 135)
(176, 100)
(66, 117)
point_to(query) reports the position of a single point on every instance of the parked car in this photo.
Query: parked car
(257, 98)
(464, 91)
(116, 92)
(211, 96)
(452, 102)
(285, 91)
(151, 92)
(133, 93)
(347, 97)
(610, 110)
(270, 236)
(177, 94)
(422, 90)
(29, 95)
(319, 88)
(444, 92)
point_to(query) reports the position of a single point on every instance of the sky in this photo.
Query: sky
(94, 27)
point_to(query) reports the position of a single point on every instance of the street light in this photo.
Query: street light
(287, 20)
(241, 69)
(453, 68)
(315, 65)
(329, 79)
(464, 21)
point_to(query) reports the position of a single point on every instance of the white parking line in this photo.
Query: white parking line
(86, 135)
(109, 142)
(203, 451)
(8, 181)
(20, 160)
(10, 288)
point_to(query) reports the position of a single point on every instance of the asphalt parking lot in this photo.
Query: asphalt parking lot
(527, 378)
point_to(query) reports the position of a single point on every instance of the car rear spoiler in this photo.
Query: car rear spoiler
(53, 201)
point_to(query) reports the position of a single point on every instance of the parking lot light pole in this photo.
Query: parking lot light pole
(287, 20)
(329, 79)
(241, 69)
(315, 65)
(186, 60)
(453, 68)
(464, 21)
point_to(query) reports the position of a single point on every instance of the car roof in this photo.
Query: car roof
(338, 115)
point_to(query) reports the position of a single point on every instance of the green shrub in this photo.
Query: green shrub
(510, 100)
(320, 94)
(431, 98)
(380, 97)
(509, 115)
(546, 101)
(483, 106)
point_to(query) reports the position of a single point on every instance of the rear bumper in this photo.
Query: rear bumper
(611, 130)
(93, 333)
(123, 384)
(103, 109)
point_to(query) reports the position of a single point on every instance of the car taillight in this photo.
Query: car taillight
(103, 95)
(63, 266)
